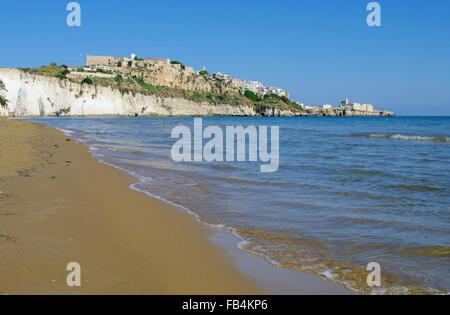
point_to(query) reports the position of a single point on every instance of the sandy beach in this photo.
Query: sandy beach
(60, 205)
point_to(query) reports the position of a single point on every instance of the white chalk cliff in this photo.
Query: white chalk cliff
(35, 95)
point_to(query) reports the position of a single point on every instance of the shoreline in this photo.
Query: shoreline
(271, 277)
(58, 205)
(216, 242)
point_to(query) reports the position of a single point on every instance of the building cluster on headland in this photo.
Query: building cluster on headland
(254, 86)
(133, 61)
(346, 108)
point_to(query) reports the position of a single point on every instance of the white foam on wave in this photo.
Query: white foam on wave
(410, 138)
(419, 138)
(66, 132)
(328, 274)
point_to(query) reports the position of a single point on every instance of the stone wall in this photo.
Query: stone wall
(98, 60)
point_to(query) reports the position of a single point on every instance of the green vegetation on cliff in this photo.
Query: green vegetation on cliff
(53, 70)
(251, 96)
(3, 102)
(118, 78)
(87, 80)
(174, 62)
(222, 94)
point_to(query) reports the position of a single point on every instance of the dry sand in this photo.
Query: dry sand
(59, 205)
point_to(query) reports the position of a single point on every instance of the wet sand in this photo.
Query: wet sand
(60, 205)
(276, 280)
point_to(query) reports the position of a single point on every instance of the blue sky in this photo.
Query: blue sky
(320, 51)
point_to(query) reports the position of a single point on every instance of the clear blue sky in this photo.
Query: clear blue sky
(321, 51)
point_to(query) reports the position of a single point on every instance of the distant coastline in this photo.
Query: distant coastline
(167, 89)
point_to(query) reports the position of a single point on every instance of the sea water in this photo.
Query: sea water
(348, 191)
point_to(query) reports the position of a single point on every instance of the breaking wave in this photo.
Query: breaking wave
(404, 137)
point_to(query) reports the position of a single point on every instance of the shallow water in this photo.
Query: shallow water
(349, 191)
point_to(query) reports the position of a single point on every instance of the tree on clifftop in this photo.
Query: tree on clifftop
(87, 80)
(251, 96)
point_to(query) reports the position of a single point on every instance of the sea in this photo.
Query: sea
(349, 191)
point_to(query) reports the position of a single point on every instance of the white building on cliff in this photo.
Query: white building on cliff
(347, 104)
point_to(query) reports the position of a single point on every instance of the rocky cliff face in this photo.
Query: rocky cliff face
(174, 76)
(34, 95)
